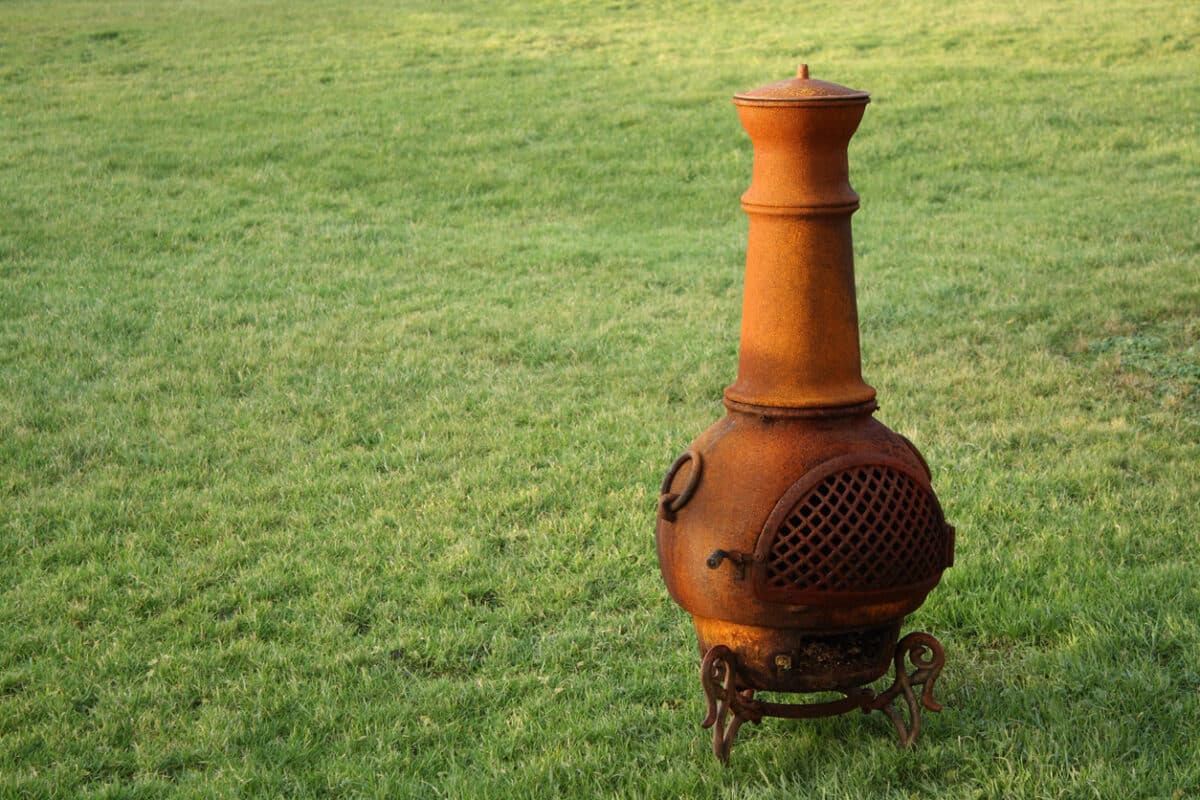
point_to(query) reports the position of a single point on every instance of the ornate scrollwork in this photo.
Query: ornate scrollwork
(927, 657)
(718, 676)
(729, 706)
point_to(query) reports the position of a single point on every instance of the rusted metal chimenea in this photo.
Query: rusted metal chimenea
(798, 531)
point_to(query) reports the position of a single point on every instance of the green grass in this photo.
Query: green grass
(343, 346)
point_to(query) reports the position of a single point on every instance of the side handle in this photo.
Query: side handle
(670, 502)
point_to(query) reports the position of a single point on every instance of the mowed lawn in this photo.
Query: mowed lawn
(343, 347)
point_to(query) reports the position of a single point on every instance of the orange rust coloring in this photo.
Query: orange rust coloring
(798, 531)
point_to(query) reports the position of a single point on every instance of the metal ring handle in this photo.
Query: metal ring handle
(670, 502)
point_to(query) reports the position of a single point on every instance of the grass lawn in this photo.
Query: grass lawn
(343, 347)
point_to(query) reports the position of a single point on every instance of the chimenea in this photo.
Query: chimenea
(798, 531)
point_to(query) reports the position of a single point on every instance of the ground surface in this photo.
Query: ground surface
(343, 346)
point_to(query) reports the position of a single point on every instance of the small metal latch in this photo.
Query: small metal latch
(739, 559)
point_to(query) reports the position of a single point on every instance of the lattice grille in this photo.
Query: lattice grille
(864, 529)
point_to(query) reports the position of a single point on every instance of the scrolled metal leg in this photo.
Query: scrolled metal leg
(927, 657)
(728, 708)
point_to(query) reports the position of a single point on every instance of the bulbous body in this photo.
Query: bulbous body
(777, 593)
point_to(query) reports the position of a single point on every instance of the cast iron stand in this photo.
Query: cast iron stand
(718, 675)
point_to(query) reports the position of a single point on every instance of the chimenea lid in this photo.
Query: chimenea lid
(801, 90)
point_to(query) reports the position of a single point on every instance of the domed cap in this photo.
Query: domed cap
(801, 91)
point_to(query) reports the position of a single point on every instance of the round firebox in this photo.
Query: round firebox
(848, 530)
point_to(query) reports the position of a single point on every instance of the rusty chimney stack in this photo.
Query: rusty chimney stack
(798, 531)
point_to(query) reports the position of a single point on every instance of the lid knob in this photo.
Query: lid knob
(802, 73)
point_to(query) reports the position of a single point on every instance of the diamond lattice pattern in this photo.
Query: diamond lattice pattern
(863, 529)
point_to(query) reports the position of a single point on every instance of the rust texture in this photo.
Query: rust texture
(730, 704)
(798, 531)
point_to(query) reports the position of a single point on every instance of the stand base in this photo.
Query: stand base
(729, 706)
